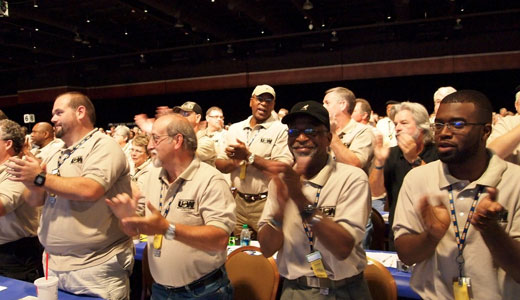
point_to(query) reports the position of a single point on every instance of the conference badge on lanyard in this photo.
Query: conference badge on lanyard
(316, 263)
(461, 288)
(52, 196)
(157, 245)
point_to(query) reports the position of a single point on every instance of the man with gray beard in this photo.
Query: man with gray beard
(315, 214)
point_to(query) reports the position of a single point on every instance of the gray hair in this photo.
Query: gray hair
(443, 92)
(183, 127)
(123, 131)
(346, 95)
(419, 115)
(10, 130)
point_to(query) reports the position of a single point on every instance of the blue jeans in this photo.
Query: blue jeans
(220, 289)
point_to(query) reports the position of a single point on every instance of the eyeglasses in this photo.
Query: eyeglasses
(184, 113)
(157, 139)
(264, 99)
(293, 132)
(453, 125)
(216, 117)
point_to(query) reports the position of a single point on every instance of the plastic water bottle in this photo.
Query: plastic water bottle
(245, 236)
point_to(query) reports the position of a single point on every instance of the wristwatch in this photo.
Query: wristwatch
(170, 232)
(307, 212)
(416, 162)
(251, 159)
(39, 180)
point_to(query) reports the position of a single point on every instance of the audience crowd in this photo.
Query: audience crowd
(304, 180)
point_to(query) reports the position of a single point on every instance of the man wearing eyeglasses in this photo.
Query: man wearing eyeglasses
(458, 218)
(254, 146)
(189, 216)
(215, 130)
(315, 215)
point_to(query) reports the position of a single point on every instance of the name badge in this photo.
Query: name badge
(462, 288)
(316, 263)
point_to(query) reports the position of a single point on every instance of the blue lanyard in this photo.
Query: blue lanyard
(164, 187)
(62, 158)
(307, 228)
(461, 239)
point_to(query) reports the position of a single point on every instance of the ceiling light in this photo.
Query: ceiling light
(88, 20)
(262, 32)
(311, 27)
(35, 4)
(126, 32)
(142, 59)
(36, 29)
(308, 5)
(145, 11)
(323, 25)
(334, 37)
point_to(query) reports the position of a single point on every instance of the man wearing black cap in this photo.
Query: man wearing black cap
(254, 146)
(206, 150)
(315, 214)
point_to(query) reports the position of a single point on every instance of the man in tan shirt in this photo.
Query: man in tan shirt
(42, 135)
(88, 251)
(450, 218)
(253, 146)
(351, 141)
(189, 216)
(317, 209)
(20, 250)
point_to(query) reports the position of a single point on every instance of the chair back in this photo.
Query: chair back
(252, 275)
(380, 281)
(378, 235)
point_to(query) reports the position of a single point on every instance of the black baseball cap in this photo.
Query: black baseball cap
(188, 106)
(309, 108)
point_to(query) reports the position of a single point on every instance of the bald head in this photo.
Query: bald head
(42, 134)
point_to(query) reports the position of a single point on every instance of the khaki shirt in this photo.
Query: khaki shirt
(48, 150)
(358, 138)
(206, 150)
(79, 234)
(20, 220)
(199, 196)
(432, 278)
(139, 177)
(344, 197)
(503, 126)
(267, 140)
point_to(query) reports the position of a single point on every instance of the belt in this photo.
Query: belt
(250, 198)
(201, 282)
(315, 282)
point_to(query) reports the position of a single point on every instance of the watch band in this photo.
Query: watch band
(39, 180)
(170, 232)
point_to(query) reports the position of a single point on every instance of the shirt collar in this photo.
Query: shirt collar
(323, 175)
(266, 124)
(186, 175)
(491, 176)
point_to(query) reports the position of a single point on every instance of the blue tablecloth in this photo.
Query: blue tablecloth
(17, 289)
